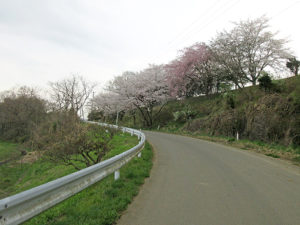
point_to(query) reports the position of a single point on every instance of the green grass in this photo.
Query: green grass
(103, 202)
(20, 176)
(8, 151)
(121, 143)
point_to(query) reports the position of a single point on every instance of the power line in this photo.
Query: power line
(211, 21)
(218, 12)
(189, 26)
(194, 22)
(191, 34)
(285, 9)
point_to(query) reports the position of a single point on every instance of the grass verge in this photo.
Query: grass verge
(8, 151)
(18, 175)
(103, 202)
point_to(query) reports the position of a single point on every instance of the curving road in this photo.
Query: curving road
(196, 182)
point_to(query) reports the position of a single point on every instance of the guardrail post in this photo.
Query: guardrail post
(140, 154)
(117, 174)
(131, 132)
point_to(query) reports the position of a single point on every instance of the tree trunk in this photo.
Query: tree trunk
(134, 120)
(146, 122)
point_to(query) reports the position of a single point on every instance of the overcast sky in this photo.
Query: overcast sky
(48, 40)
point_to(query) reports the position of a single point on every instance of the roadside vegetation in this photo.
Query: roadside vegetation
(8, 151)
(266, 122)
(242, 87)
(229, 90)
(44, 139)
(23, 172)
(103, 202)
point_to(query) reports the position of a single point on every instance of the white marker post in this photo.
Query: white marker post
(117, 174)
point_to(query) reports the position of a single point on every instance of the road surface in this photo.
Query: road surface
(196, 182)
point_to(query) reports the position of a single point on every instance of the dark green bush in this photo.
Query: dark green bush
(265, 82)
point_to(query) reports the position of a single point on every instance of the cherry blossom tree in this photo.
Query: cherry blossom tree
(110, 103)
(248, 49)
(143, 90)
(193, 72)
(176, 77)
(151, 90)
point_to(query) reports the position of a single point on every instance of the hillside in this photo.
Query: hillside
(271, 116)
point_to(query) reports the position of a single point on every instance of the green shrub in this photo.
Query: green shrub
(187, 113)
(265, 82)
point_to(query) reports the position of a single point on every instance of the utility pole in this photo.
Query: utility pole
(93, 100)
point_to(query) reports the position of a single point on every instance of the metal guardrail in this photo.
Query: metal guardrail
(25, 205)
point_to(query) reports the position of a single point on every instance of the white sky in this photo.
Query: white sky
(47, 40)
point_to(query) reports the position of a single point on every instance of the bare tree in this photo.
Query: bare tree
(71, 94)
(249, 49)
(63, 138)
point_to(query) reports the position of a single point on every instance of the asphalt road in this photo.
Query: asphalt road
(196, 182)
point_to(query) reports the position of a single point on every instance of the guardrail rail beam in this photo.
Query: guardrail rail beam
(25, 205)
